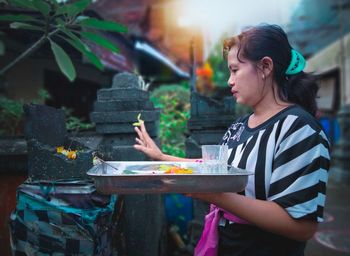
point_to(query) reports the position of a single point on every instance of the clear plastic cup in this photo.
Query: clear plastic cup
(215, 159)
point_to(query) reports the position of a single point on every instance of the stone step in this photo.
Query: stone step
(122, 105)
(122, 94)
(124, 128)
(124, 116)
(121, 139)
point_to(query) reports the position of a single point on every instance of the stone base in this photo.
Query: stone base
(45, 164)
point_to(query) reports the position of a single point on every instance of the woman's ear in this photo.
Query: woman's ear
(266, 66)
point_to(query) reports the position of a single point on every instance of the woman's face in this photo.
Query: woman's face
(245, 79)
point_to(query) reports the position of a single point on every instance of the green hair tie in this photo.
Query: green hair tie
(297, 63)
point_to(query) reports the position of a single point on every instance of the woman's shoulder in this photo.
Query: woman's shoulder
(301, 117)
(298, 122)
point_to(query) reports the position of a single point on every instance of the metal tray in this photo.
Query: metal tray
(143, 177)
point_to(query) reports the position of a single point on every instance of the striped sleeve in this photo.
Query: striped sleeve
(300, 170)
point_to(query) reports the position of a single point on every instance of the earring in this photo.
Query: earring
(263, 77)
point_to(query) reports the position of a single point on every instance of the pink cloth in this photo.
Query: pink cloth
(208, 243)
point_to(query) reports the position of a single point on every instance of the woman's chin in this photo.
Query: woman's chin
(239, 100)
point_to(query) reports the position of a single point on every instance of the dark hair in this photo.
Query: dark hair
(270, 40)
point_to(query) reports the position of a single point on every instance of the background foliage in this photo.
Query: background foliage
(174, 100)
(11, 115)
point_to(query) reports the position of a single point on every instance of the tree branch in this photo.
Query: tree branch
(29, 51)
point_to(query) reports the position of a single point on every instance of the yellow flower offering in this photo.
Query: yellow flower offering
(70, 154)
(59, 149)
(139, 121)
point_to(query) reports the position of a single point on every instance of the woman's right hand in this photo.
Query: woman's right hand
(146, 145)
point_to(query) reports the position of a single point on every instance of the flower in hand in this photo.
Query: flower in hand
(145, 143)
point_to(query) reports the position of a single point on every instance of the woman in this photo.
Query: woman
(280, 141)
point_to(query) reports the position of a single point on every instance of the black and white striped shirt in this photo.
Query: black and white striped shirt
(289, 155)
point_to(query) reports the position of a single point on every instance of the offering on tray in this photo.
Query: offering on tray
(178, 170)
(138, 177)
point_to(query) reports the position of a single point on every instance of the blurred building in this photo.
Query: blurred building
(154, 25)
(320, 29)
(156, 21)
(155, 47)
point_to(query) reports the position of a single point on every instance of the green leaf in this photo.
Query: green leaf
(100, 41)
(80, 18)
(54, 4)
(81, 5)
(74, 8)
(63, 10)
(21, 25)
(44, 95)
(61, 22)
(83, 48)
(63, 60)
(69, 33)
(22, 4)
(43, 7)
(87, 52)
(3, 1)
(18, 17)
(103, 25)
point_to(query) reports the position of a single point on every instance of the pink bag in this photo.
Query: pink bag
(209, 241)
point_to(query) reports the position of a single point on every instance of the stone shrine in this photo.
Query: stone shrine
(115, 110)
(45, 130)
(142, 224)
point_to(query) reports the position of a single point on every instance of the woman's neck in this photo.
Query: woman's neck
(266, 108)
(260, 116)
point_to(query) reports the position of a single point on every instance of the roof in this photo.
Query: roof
(159, 59)
(134, 53)
(317, 23)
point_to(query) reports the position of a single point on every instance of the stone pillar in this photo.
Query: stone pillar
(209, 121)
(116, 109)
(340, 168)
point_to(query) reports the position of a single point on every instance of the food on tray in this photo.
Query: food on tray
(178, 170)
(139, 120)
(156, 169)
